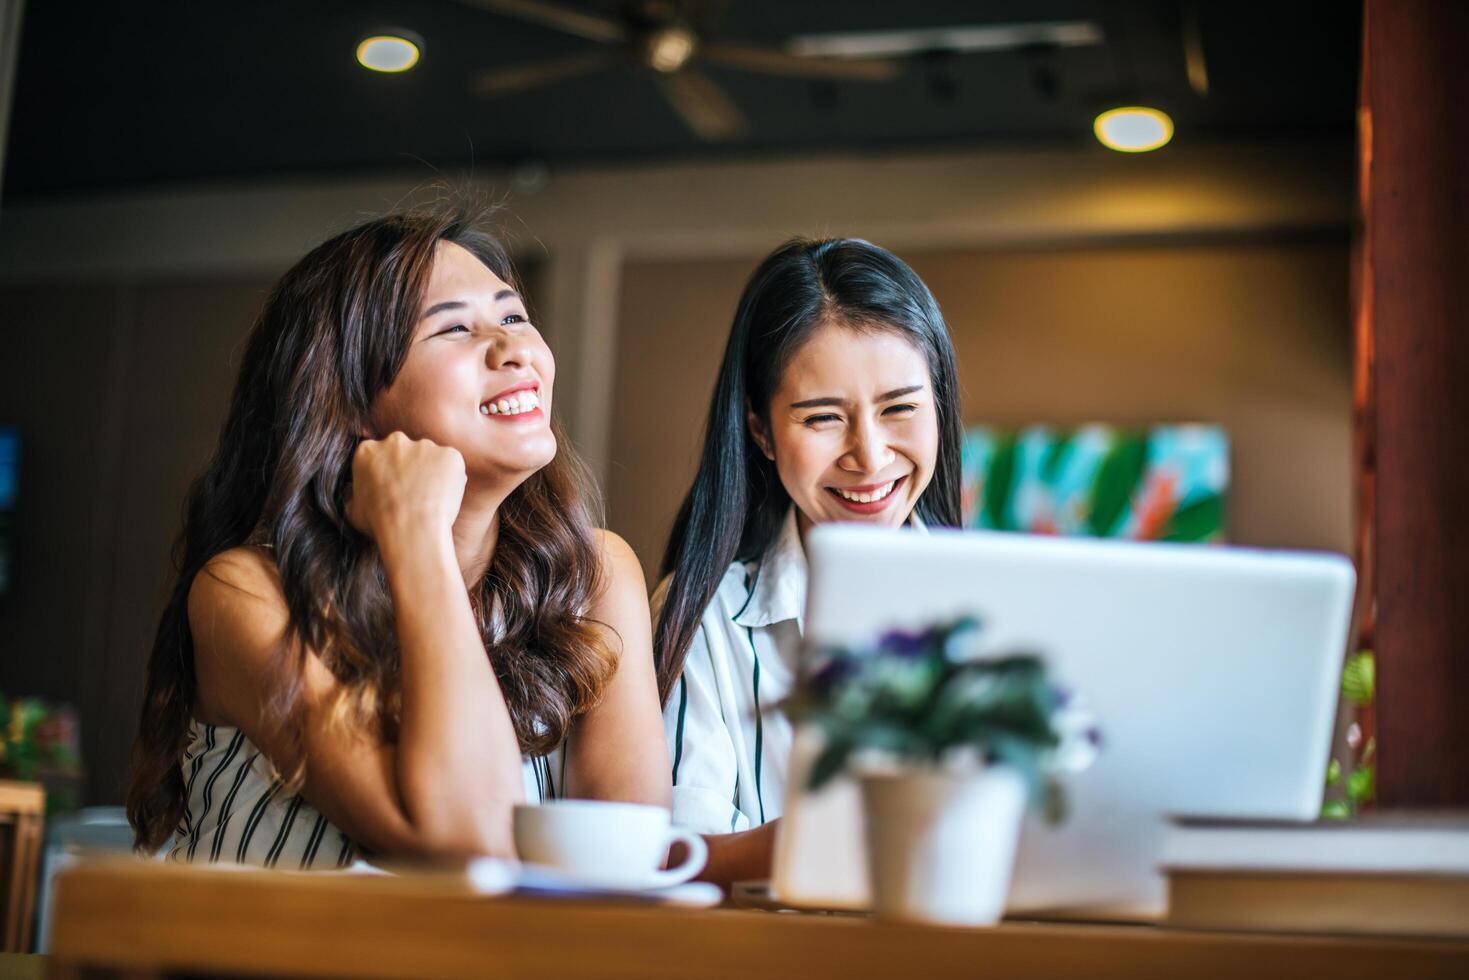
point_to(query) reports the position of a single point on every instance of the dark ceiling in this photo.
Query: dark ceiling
(113, 95)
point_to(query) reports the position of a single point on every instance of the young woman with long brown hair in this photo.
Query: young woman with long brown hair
(394, 618)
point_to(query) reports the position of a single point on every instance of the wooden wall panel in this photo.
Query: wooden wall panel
(118, 391)
(1416, 227)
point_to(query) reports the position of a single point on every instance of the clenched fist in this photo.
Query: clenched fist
(404, 486)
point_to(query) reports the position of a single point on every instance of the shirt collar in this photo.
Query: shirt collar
(779, 580)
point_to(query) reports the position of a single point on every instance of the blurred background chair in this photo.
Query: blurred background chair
(22, 811)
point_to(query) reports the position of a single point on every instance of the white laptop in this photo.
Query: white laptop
(1212, 671)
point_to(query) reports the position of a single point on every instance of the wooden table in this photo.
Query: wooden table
(147, 919)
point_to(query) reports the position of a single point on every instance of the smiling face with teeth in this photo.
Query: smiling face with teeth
(852, 427)
(478, 375)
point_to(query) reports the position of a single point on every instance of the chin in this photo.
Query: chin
(515, 467)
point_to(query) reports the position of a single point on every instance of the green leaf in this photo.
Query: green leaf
(1115, 483)
(1197, 520)
(1333, 773)
(1361, 785)
(828, 763)
(999, 484)
(1359, 678)
(1336, 810)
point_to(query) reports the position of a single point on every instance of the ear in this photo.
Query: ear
(759, 433)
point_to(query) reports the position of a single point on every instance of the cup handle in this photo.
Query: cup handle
(692, 864)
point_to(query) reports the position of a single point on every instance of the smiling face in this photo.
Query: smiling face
(477, 377)
(853, 429)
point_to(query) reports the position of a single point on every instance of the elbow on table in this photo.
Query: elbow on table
(436, 836)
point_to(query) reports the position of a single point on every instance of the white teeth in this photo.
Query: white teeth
(516, 404)
(867, 497)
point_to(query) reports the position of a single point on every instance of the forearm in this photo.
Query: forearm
(458, 761)
(744, 856)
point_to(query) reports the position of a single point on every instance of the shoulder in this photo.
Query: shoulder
(621, 601)
(729, 599)
(616, 554)
(729, 596)
(620, 566)
(237, 619)
(240, 575)
(236, 596)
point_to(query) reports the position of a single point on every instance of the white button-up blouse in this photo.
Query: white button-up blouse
(729, 742)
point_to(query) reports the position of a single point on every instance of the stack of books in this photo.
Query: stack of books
(1387, 874)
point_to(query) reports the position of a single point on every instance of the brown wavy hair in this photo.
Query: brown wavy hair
(333, 334)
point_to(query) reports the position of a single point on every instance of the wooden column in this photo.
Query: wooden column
(1413, 338)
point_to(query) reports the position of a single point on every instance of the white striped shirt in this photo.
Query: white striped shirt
(729, 743)
(236, 810)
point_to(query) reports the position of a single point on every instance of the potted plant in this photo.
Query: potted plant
(948, 745)
(39, 742)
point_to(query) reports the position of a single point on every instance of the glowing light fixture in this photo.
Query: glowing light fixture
(390, 53)
(670, 48)
(1133, 129)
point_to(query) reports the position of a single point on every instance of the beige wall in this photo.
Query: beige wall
(1251, 336)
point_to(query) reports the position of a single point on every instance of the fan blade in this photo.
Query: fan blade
(771, 62)
(503, 81)
(959, 40)
(703, 106)
(557, 18)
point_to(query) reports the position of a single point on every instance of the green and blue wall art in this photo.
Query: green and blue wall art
(1160, 483)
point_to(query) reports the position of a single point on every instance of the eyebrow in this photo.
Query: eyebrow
(459, 304)
(886, 396)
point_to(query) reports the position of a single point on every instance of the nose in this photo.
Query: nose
(868, 451)
(507, 351)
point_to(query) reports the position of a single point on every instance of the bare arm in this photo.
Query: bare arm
(744, 856)
(617, 750)
(448, 786)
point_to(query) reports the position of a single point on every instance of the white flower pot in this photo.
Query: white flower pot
(941, 845)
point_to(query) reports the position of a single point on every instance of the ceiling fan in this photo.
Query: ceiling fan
(662, 37)
(659, 35)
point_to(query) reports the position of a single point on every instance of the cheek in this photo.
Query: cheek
(424, 399)
(922, 448)
(803, 457)
(547, 365)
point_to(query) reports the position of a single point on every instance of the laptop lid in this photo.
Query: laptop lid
(1212, 671)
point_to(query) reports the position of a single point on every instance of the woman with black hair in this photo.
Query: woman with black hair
(837, 400)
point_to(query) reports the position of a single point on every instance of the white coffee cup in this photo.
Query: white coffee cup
(608, 845)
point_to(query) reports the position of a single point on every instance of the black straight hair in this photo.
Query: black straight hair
(736, 504)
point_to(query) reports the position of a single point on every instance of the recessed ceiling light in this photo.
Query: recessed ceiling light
(388, 52)
(1133, 129)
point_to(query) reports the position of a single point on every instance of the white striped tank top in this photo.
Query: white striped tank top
(235, 809)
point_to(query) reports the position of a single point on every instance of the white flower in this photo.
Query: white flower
(1080, 739)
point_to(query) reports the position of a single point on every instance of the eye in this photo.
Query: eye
(814, 420)
(456, 328)
(906, 409)
(510, 318)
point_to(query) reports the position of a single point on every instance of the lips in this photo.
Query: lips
(527, 385)
(871, 498)
(520, 402)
